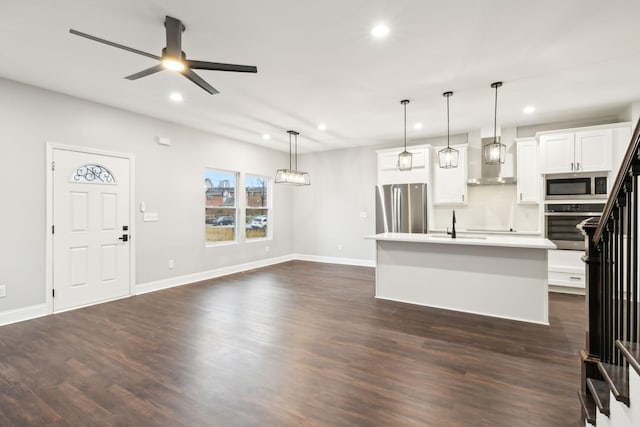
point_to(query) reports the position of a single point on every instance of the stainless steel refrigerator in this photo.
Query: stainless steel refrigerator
(401, 208)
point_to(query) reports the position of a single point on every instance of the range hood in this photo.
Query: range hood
(490, 174)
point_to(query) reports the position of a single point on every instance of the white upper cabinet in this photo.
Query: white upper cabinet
(450, 185)
(529, 180)
(594, 150)
(557, 152)
(580, 151)
(388, 172)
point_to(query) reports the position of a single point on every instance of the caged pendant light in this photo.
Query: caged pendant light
(494, 152)
(292, 175)
(448, 157)
(405, 158)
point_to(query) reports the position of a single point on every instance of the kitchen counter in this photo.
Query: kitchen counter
(503, 240)
(493, 275)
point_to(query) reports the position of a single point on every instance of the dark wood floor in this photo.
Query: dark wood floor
(294, 344)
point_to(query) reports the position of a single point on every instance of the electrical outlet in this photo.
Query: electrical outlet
(340, 247)
(363, 214)
(266, 248)
(171, 264)
(3, 291)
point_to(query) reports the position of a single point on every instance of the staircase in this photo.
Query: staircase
(610, 362)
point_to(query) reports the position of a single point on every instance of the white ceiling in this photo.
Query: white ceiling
(572, 59)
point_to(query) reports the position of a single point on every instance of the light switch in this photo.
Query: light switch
(151, 216)
(363, 214)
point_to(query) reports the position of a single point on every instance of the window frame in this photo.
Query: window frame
(235, 206)
(267, 207)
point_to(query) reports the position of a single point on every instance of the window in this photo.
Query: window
(257, 212)
(220, 205)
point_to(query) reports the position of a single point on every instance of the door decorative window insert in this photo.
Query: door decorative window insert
(94, 174)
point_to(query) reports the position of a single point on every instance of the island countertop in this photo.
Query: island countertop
(497, 240)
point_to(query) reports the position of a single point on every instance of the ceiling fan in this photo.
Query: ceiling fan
(173, 58)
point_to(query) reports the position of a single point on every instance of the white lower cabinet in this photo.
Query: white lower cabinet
(566, 268)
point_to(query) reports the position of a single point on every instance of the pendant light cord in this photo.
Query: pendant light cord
(495, 115)
(405, 126)
(289, 151)
(296, 144)
(448, 121)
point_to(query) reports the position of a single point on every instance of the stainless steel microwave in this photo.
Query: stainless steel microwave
(575, 186)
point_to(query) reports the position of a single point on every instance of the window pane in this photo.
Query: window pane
(220, 205)
(257, 212)
(256, 187)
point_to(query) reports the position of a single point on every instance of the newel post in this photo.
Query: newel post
(593, 304)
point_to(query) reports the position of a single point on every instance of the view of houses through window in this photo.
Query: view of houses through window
(220, 205)
(257, 211)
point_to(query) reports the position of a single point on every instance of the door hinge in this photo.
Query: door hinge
(53, 293)
(53, 165)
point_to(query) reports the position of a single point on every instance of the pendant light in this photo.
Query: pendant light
(494, 152)
(448, 157)
(405, 158)
(292, 175)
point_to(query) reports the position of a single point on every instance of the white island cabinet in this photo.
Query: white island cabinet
(495, 275)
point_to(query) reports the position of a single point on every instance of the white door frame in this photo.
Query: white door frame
(49, 220)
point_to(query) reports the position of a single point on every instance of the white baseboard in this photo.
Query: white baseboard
(335, 260)
(25, 313)
(206, 275)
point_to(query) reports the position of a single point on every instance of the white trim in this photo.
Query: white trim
(50, 147)
(206, 275)
(22, 314)
(335, 260)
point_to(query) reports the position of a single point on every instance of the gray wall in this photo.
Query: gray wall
(168, 179)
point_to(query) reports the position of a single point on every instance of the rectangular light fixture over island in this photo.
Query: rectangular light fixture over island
(292, 175)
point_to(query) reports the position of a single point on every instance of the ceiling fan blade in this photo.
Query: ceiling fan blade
(217, 66)
(188, 73)
(146, 72)
(107, 42)
(174, 29)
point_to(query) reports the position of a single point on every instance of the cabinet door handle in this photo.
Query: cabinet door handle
(520, 196)
(575, 278)
(571, 165)
(463, 197)
(578, 166)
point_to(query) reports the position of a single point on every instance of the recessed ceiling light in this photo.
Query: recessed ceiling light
(380, 31)
(322, 126)
(176, 97)
(529, 109)
(418, 126)
(266, 136)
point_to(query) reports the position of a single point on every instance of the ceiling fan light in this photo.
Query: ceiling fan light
(173, 64)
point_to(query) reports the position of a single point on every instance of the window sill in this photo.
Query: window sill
(217, 244)
(258, 239)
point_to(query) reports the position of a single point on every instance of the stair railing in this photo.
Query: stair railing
(611, 244)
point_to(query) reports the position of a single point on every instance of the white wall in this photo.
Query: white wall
(327, 213)
(168, 179)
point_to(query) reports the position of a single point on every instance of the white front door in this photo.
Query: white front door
(91, 253)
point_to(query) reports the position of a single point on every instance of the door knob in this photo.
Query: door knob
(124, 238)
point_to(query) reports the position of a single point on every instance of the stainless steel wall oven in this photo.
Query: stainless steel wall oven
(561, 220)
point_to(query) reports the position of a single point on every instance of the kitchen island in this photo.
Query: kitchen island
(493, 275)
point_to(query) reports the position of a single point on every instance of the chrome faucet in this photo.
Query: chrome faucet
(453, 222)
